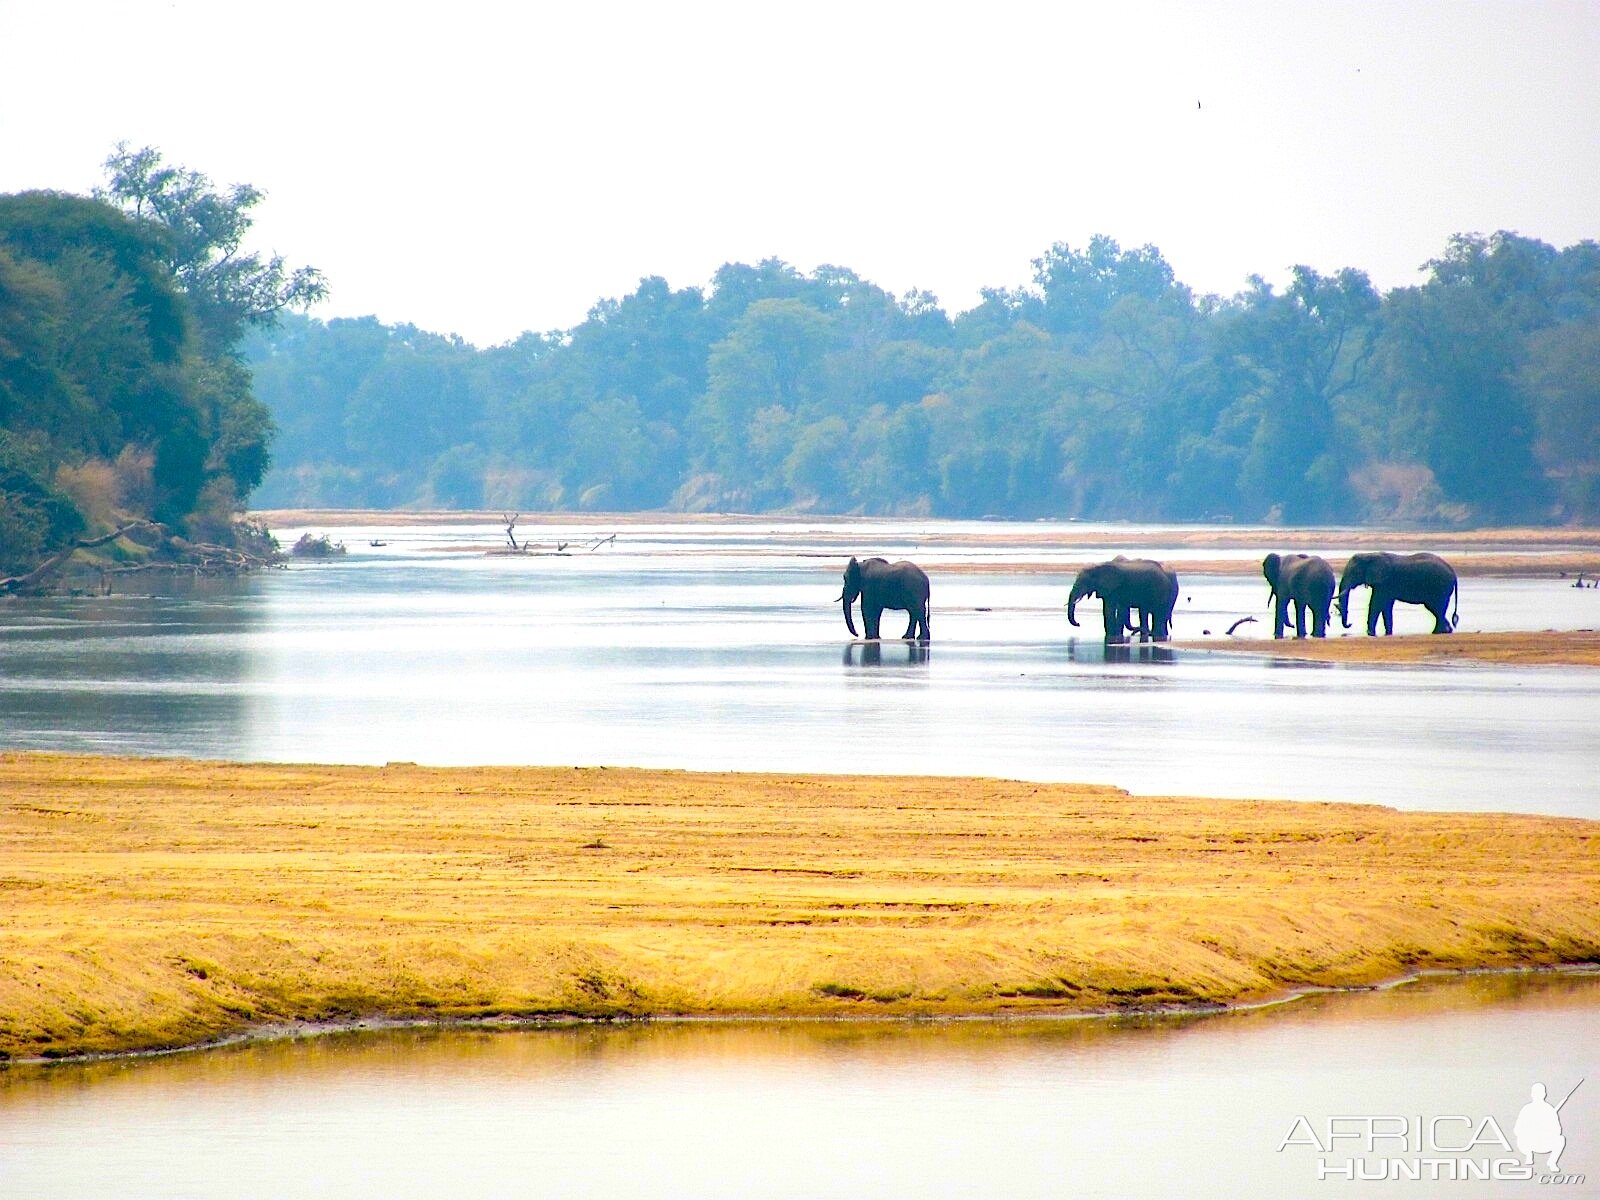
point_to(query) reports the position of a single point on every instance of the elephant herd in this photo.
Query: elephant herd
(1138, 595)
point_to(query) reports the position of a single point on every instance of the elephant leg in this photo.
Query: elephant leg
(1116, 619)
(1299, 619)
(1441, 623)
(927, 634)
(1373, 609)
(1280, 617)
(1144, 623)
(1319, 622)
(911, 626)
(871, 616)
(1388, 619)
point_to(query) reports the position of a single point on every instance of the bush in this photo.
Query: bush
(316, 545)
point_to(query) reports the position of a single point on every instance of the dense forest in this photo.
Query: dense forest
(1104, 389)
(123, 398)
(153, 373)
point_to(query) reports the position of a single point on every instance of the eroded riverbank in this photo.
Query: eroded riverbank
(155, 903)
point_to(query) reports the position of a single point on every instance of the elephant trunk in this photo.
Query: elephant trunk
(1343, 601)
(848, 623)
(1079, 591)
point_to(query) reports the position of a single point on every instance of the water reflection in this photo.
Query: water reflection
(1089, 650)
(900, 653)
(137, 672)
(1135, 1107)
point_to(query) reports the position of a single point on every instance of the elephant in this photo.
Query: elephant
(1125, 584)
(1424, 579)
(880, 585)
(1304, 580)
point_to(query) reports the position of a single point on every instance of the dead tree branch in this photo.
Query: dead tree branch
(52, 566)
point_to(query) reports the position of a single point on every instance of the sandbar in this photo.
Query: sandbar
(1549, 647)
(152, 904)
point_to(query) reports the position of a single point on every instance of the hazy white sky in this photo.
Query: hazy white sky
(486, 168)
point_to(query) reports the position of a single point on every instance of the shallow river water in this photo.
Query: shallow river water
(1128, 1108)
(707, 646)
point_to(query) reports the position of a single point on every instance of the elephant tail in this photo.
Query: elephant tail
(1455, 604)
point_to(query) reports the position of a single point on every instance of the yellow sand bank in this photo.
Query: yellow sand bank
(1547, 648)
(157, 903)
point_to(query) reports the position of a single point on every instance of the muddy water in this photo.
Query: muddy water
(722, 647)
(1195, 1107)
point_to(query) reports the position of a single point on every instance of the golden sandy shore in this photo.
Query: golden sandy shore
(1549, 647)
(159, 903)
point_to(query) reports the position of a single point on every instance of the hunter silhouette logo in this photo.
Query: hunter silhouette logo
(1441, 1147)
(1538, 1127)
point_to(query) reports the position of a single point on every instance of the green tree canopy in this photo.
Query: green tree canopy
(122, 394)
(229, 288)
(1103, 388)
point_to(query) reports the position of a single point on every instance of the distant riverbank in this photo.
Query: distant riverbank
(1008, 547)
(153, 903)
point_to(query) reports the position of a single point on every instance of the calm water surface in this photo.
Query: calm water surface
(716, 646)
(1193, 1107)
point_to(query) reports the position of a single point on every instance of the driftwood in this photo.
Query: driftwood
(196, 558)
(200, 559)
(528, 548)
(1239, 622)
(53, 565)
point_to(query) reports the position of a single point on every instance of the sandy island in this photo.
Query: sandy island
(151, 903)
(1550, 647)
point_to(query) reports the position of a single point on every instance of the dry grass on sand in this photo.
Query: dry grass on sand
(159, 903)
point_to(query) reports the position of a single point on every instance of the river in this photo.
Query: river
(702, 645)
(1143, 1107)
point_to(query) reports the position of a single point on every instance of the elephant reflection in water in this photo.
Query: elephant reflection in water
(1120, 652)
(870, 654)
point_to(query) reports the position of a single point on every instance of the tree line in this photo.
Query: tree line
(1105, 388)
(151, 368)
(123, 394)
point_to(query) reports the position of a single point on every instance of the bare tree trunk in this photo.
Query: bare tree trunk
(52, 565)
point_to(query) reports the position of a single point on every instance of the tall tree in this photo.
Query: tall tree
(1310, 347)
(230, 288)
